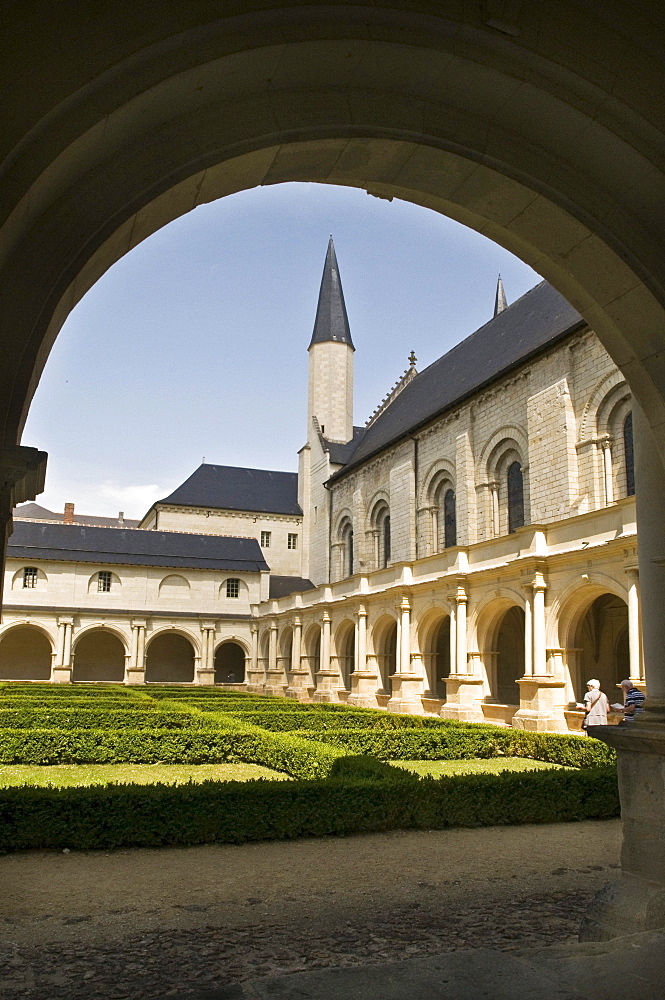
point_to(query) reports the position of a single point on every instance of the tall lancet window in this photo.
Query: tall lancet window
(515, 483)
(349, 551)
(449, 519)
(629, 454)
(386, 539)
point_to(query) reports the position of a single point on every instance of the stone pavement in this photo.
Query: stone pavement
(631, 968)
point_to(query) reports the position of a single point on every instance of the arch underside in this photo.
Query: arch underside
(508, 139)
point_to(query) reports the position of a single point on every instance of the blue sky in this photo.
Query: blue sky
(195, 343)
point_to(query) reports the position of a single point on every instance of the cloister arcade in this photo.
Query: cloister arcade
(491, 113)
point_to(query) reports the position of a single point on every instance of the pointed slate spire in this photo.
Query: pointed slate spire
(331, 321)
(500, 301)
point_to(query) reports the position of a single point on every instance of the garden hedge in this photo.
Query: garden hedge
(350, 801)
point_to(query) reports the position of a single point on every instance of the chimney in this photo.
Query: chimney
(121, 517)
(69, 514)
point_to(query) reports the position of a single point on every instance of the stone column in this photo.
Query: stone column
(636, 902)
(327, 678)
(298, 675)
(464, 689)
(205, 673)
(61, 671)
(407, 682)
(135, 673)
(363, 678)
(542, 694)
(255, 678)
(276, 681)
(634, 644)
(22, 474)
(606, 445)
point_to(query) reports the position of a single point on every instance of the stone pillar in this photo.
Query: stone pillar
(205, 672)
(327, 679)
(634, 643)
(528, 632)
(408, 681)
(61, 671)
(636, 902)
(135, 673)
(298, 675)
(363, 678)
(464, 689)
(542, 694)
(22, 474)
(276, 681)
(255, 676)
(606, 445)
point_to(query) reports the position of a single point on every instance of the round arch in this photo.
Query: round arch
(345, 651)
(26, 652)
(230, 662)
(384, 643)
(312, 656)
(170, 657)
(99, 654)
(589, 623)
(434, 645)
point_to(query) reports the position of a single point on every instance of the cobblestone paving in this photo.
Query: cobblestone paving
(176, 962)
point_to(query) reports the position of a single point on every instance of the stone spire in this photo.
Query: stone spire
(331, 323)
(500, 301)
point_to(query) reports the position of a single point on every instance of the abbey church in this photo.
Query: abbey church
(470, 552)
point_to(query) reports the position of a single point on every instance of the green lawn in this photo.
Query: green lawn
(139, 774)
(437, 768)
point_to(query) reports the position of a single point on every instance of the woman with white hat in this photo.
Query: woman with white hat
(596, 705)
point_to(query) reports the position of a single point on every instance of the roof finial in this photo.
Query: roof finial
(412, 359)
(500, 300)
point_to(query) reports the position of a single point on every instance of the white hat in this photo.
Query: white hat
(593, 683)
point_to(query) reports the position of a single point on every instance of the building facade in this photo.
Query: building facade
(470, 552)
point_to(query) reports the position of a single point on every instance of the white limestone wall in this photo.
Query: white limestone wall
(282, 560)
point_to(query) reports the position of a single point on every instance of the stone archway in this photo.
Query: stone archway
(494, 116)
(98, 655)
(509, 646)
(229, 663)
(25, 654)
(169, 659)
(385, 646)
(436, 656)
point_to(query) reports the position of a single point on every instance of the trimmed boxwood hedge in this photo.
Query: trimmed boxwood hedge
(357, 799)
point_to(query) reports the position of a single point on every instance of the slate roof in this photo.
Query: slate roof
(282, 586)
(341, 453)
(225, 487)
(35, 511)
(534, 322)
(133, 547)
(331, 321)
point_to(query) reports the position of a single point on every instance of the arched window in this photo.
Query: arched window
(449, 519)
(349, 551)
(629, 454)
(515, 497)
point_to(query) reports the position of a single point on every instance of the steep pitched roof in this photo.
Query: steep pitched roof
(537, 320)
(133, 547)
(340, 453)
(226, 487)
(331, 321)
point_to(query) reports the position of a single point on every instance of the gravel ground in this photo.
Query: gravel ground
(150, 923)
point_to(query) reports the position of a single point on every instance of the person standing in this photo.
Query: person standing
(633, 702)
(596, 705)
